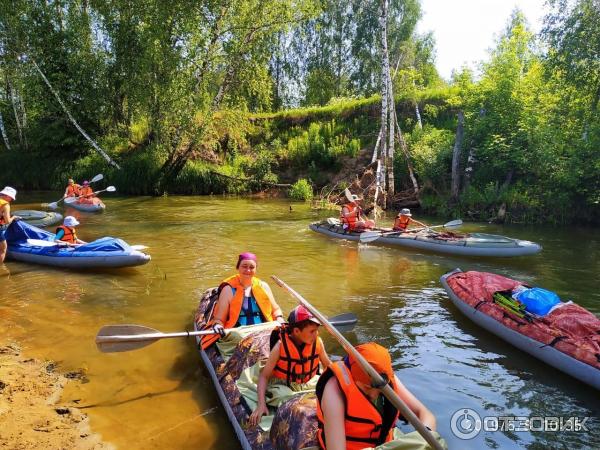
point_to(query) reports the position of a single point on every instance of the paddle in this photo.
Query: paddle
(123, 338)
(74, 199)
(370, 236)
(42, 243)
(54, 205)
(386, 390)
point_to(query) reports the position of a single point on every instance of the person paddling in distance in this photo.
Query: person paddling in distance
(7, 195)
(72, 189)
(352, 215)
(404, 219)
(66, 232)
(86, 193)
(353, 414)
(294, 359)
(243, 300)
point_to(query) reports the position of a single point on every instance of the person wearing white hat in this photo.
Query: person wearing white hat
(7, 195)
(352, 214)
(403, 219)
(66, 232)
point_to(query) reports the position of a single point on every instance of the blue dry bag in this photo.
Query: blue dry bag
(537, 300)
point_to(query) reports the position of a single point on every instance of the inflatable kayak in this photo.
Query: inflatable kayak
(95, 205)
(294, 423)
(468, 244)
(567, 337)
(104, 252)
(38, 218)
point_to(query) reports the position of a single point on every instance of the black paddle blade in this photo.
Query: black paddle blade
(344, 322)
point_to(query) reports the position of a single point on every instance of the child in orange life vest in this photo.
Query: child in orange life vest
(72, 189)
(403, 219)
(86, 194)
(294, 359)
(354, 415)
(66, 232)
(352, 215)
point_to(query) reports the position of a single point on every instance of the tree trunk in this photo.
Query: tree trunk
(384, 85)
(392, 116)
(3, 131)
(14, 100)
(376, 148)
(458, 142)
(107, 158)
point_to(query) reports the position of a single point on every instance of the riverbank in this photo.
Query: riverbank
(31, 411)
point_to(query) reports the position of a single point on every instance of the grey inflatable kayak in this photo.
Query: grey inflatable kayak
(38, 218)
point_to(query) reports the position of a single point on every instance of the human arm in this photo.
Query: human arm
(332, 405)
(263, 379)
(276, 309)
(6, 214)
(323, 357)
(417, 222)
(59, 235)
(420, 410)
(221, 310)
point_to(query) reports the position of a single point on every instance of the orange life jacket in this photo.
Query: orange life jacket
(401, 223)
(86, 192)
(352, 217)
(2, 203)
(235, 306)
(73, 190)
(295, 365)
(363, 423)
(70, 235)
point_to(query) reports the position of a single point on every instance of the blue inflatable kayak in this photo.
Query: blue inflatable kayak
(103, 252)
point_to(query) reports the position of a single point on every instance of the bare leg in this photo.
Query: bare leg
(3, 247)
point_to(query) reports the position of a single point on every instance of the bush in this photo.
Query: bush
(301, 191)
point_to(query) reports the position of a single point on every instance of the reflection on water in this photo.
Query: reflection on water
(160, 396)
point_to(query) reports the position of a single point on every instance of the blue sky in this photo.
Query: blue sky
(464, 30)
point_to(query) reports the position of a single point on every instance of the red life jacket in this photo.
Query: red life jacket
(352, 216)
(401, 223)
(70, 235)
(73, 190)
(235, 306)
(295, 365)
(364, 425)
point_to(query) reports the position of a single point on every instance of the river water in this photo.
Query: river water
(161, 397)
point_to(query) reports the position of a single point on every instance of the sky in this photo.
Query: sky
(465, 30)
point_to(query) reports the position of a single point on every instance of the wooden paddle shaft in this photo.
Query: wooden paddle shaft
(386, 390)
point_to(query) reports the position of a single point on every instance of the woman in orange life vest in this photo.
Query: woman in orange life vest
(294, 359)
(7, 195)
(352, 414)
(403, 219)
(243, 300)
(352, 215)
(86, 194)
(66, 232)
(72, 189)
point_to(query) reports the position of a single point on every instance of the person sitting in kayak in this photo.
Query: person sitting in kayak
(66, 232)
(294, 359)
(352, 215)
(7, 195)
(243, 300)
(72, 189)
(86, 194)
(404, 219)
(354, 415)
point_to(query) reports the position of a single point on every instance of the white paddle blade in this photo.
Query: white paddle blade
(369, 236)
(453, 224)
(123, 338)
(139, 247)
(97, 178)
(111, 189)
(52, 205)
(41, 243)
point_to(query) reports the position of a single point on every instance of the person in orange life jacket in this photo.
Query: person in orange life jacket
(294, 359)
(243, 300)
(7, 195)
(72, 189)
(66, 232)
(354, 415)
(86, 194)
(404, 219)
(352, 215)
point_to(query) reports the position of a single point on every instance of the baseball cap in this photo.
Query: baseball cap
(300, 314)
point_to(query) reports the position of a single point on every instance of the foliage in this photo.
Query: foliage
(301, 190)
